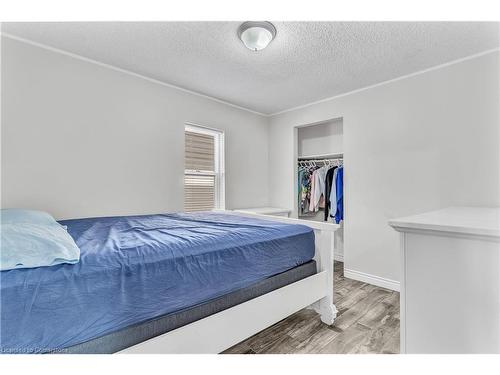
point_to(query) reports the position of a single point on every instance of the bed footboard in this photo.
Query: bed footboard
(325, 245)
(324, 250)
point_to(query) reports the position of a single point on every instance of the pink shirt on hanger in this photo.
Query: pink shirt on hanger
(312, 199)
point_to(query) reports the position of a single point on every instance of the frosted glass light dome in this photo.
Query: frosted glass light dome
(256, 35)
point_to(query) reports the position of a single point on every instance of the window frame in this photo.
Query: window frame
(219, 164)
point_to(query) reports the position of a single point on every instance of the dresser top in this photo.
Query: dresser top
(482, 221)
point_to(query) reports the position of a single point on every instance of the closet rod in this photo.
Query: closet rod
(320, 160)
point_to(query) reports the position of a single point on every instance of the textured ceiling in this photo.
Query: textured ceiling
(308, 61)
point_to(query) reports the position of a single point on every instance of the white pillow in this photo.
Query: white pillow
(18, 215)
(34, 239)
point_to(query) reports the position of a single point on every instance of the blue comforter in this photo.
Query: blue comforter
(136, 268)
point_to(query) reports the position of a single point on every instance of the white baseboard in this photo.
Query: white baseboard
(339, 257)
(372, 279)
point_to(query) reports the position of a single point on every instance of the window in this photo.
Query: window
(204, 169)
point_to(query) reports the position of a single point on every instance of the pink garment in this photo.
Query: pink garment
(318, 189)
(313, 199)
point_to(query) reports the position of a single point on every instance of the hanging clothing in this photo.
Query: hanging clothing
(339, 181)
(333, 195)
(313, 192)
(318, 188)
(322, 178)
(303, 186)
(299, 187)
(328, 190)
(304, 190)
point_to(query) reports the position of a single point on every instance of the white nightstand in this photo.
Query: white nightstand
(273, 211)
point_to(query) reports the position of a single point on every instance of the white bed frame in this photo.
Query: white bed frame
(222, 330)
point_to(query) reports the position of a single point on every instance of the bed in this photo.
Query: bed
(169, 283)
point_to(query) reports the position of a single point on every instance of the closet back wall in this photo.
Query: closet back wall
(413, 145)
(320, 139)
(79, 139)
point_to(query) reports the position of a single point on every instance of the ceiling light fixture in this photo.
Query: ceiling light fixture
(256, 35)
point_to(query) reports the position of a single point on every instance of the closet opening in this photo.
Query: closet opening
(319, 176)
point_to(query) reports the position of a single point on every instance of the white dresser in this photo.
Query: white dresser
(450, 281)
(274, 211)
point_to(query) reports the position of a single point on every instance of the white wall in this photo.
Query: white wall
(79, 139)
(412, 145)
(320, 139)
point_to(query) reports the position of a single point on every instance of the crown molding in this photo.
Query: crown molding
(166, 84)
(436, 67)
(125, 71)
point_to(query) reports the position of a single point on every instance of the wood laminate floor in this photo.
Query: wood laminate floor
(367, 322)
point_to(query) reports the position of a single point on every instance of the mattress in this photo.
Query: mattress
(134, 269)
(137, 333)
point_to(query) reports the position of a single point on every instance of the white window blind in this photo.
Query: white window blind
(203, 178)
(199, 152)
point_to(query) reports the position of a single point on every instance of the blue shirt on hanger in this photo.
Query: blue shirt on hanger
(339, 185)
